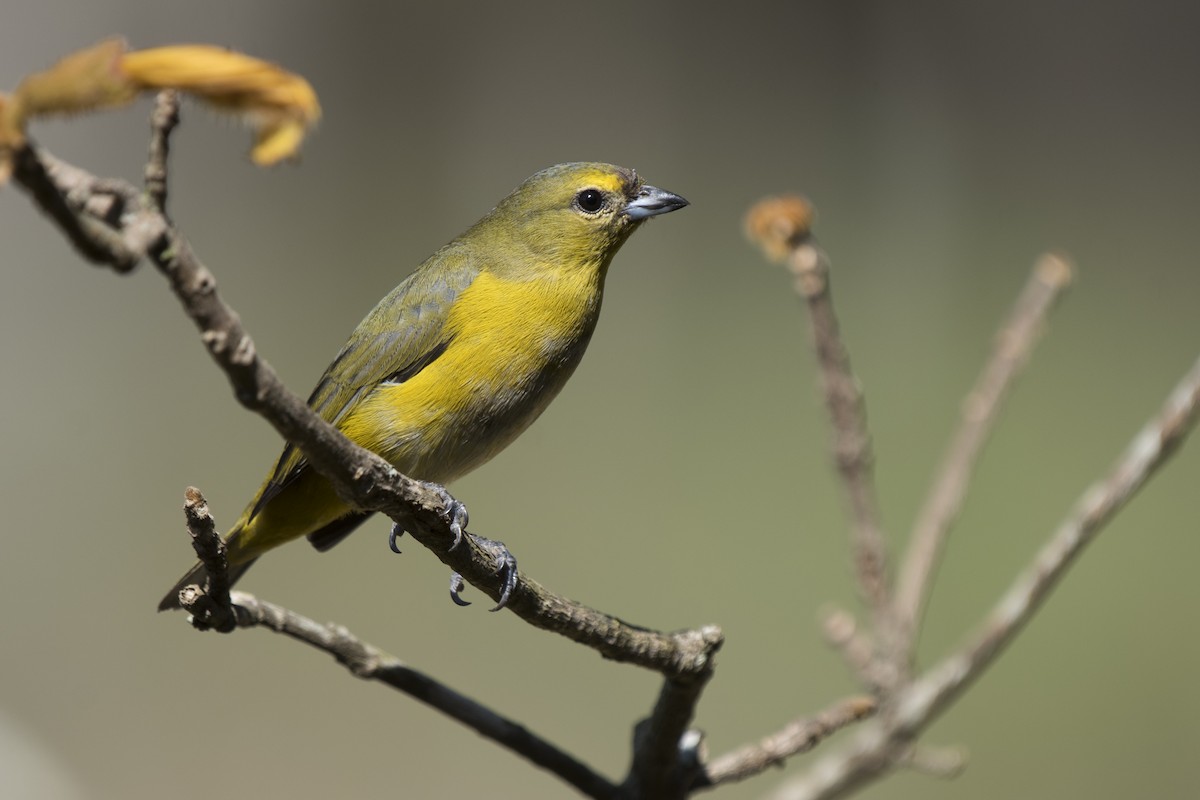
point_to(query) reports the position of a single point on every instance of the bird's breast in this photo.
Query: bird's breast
(512, 344)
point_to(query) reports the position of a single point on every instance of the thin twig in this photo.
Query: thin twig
(1013, 344)
(782, 226)
(163, 122)
(211, 604)
(847, 410)
(856, 647)
(937, 762)
(798, 737)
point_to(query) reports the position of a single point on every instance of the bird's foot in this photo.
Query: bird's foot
(454, 512)
(506, 568)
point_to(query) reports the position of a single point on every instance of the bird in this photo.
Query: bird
(461, 357)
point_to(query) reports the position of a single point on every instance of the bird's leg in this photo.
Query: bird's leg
(506, 568)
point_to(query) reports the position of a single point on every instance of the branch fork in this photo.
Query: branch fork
(883, 655)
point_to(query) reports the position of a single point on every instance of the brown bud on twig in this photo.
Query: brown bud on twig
(779, 224)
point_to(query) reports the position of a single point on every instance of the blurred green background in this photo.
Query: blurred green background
(682, 478)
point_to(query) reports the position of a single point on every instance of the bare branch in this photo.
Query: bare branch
(1148, 451)
(782, 226)
(370, 663)
(798, 737)
(96, 241)
(852, 441)
(1013, 344)
(886, 741)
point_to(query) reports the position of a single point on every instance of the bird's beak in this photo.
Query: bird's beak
(650, 202)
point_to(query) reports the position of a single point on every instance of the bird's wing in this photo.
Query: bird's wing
(401, 336)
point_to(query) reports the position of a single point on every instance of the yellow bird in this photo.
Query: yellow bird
(463, 355)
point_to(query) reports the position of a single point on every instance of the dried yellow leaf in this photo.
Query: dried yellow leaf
(279, 104)
(87, 80)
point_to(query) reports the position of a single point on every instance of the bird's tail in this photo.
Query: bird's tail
(199, 576)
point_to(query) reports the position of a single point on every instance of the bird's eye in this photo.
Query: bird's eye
(589, 200)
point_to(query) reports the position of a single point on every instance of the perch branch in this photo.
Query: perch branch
(360, 477)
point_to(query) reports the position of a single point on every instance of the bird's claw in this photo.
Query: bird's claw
(456, 516)
(453, 511)
(457, 584)
(506, 568)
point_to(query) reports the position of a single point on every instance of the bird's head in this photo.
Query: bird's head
(579, 213)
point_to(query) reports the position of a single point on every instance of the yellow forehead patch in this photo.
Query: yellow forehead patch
(608, 180)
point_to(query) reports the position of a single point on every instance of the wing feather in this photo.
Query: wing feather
(402, 335)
